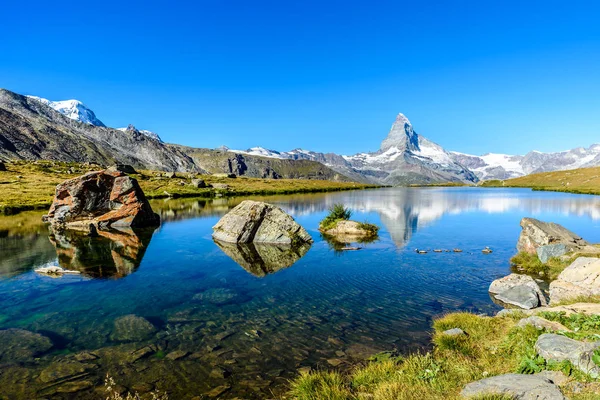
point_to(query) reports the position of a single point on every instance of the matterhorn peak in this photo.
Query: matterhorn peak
(401, 135)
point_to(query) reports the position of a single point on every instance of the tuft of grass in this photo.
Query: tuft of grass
(337, 212)
(320, 385)
(578, 299)
(372, 229)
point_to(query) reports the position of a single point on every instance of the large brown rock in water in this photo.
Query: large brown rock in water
(536, 233)
(105, 199)
(258, 222)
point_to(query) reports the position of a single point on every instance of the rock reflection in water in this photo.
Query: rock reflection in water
(111, 254)
(261, 259)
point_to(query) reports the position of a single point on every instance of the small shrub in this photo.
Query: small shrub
(371, 228)
(337, 212)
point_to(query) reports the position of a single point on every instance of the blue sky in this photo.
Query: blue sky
(473, 76)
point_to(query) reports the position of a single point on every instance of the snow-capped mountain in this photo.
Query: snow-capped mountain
(503, 166)
(150, 134)
(73, 109)
(403, 158)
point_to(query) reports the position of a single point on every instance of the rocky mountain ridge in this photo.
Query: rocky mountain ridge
(30, 129)
(403, 158)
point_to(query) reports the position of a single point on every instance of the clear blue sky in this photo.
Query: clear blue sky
(474, 76)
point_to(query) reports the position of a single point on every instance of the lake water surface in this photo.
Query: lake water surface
(240, 322)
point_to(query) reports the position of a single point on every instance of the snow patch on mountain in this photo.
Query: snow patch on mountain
(150, 134)
(73, 109)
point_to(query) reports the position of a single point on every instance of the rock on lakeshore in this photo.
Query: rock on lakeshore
(581, 278)
(522, 387)
(105, 199)
(258, 222)
(519, 290)
(536, 233)
(560, 348)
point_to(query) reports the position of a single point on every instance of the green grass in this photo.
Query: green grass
(492, 346)
(531, 264)
(30, 185)
(337, 213)
(582, 181)
(372, 229)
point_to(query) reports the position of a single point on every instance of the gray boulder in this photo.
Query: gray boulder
(454, 332)
(560, 348)
(521, 296)
(132, 328)
(551, 250)
(581, 278)
(20, 345)
(536, 233)
(520, 387)
(255, 221)
(499, 286)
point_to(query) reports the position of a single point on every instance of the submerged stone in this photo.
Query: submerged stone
(217, 296)
(132, 328)
(21, 345)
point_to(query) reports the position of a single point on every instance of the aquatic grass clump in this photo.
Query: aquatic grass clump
(337, 212)
(371, 229)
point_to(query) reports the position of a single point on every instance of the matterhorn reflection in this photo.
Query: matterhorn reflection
(110, 254)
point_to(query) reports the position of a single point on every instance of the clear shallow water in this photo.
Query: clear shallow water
(250, 328)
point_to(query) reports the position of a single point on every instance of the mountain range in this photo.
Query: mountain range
(36, 128)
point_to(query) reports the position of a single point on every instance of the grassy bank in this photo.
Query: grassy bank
(30, 185)
(492, 346)
(581, 181)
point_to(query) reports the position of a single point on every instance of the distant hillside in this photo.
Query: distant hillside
(582, 180)
(37, 129)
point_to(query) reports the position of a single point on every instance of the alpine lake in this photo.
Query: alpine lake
(172, 310)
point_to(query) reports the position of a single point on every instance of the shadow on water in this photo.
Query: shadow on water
(111, 254)
(261, 259)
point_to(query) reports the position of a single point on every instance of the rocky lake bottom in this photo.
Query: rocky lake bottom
(172, 310)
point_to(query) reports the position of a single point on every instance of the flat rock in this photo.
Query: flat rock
(59, 371)
(536, 233)
(542, 323)
(132, 328)
(521, 387)
(176, 355)
(560, 348)
(581, 278)
(503, 284)
(551, 250)
(522, 296)
(21, 345)
(347, 231)
(255, 221)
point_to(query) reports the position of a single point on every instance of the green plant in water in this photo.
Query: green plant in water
(337, 212)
